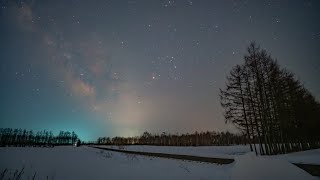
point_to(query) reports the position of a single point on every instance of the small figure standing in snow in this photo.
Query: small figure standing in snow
(77, 143)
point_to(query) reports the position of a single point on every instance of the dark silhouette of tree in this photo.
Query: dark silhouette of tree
(270, 105)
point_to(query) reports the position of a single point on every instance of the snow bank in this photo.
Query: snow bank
(251, 167)
(204, 151)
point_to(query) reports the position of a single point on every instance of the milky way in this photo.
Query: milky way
(107, 68)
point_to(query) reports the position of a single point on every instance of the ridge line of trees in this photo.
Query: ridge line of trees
(166, 139)
(23, 137)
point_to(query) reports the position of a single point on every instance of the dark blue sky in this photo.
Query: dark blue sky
(122, 67)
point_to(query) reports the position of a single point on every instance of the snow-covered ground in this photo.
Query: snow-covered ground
(89, 163)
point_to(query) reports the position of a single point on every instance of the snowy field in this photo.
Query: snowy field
(90, 163)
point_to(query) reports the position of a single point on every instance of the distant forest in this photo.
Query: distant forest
(270, 105)
(166, 139)
(23, 137)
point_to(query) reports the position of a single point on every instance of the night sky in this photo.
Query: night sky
(108, 68)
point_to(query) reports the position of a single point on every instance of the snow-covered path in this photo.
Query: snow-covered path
(249, 167)
(304, 157)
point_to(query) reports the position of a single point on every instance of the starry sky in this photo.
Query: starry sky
(118, 68)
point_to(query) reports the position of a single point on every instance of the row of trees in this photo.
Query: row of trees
(166, 139)
(23, 137)
(270, 105)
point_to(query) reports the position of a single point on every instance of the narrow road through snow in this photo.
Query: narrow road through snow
(173, 156)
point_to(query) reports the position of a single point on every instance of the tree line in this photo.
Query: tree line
(23, 137)
(270, 105)
(167, 139)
